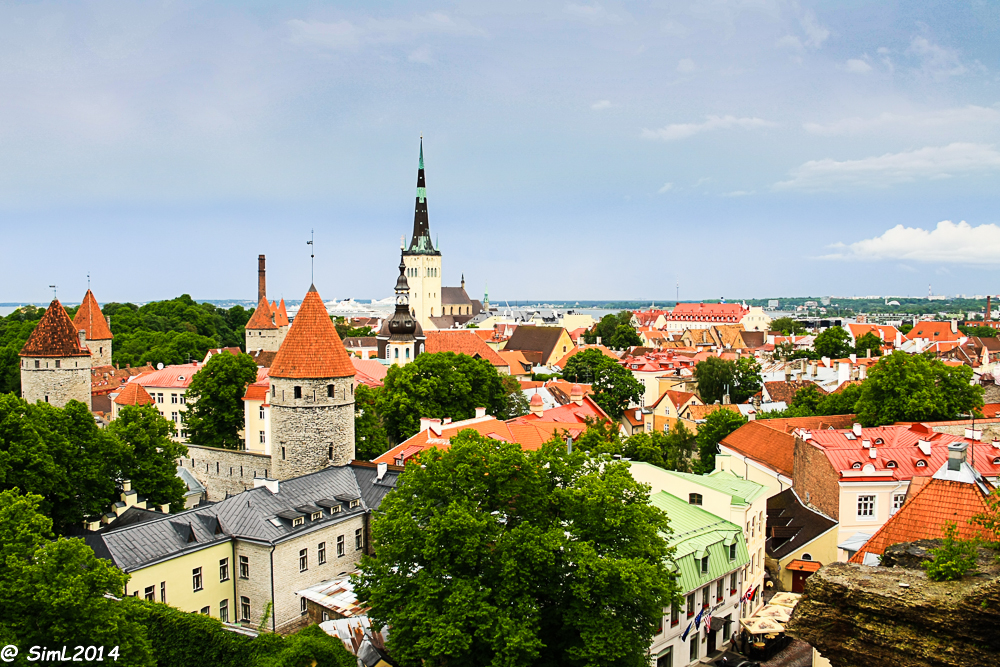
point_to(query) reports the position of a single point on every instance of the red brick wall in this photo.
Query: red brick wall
(814, 479)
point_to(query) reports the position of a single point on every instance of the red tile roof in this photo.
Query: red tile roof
(771, 441)
(134, 393)
(170, 377)
(462, 342)
(933, 331)
(281, 316)
(312, 348)
(54, 336)
(90, 319)
(923, 516)
(369, 371)
(262, 317)
(785, 391)
(576, 350)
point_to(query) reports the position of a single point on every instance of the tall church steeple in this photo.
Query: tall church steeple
(421, 242)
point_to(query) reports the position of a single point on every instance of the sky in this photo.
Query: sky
(574, 150)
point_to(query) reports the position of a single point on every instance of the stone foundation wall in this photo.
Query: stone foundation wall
(225, 471)
(69, 382)
(313, 431)
(100, 352)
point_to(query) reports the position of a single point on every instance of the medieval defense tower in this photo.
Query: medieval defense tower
(423, 260)
(97, 328)
(312, 395)
(55, 361)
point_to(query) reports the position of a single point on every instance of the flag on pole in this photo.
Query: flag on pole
(686, 631)
(697, 620)
(708, 622)
(746, 596)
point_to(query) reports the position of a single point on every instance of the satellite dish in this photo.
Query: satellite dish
(159, 366)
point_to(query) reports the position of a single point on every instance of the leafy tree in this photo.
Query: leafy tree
(747, 379)
(370, 439)
(491, 555)
(808, 398)
(586, 365)
(905, 329)
(214, 414)
(844, 402)
(310, 647)
(54, 592)
(981, 331)
(718, 424)
(345, 330)
(438, 385)
(953, 558)
(149, 455)
(833, 343)
(607, 328)
(903, 387)
(715, 377)
(787, 326)
(624, 336)
(868, 342)
(615, 389)
(516, 403)
(671, 451)
(601, 436)
(10, 371)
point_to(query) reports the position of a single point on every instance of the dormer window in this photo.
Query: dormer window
(996, 461)
(879, 441)
(704, 565)
(298, 521)
(355, 503)
(694, 499)
(335, 509)
(921, 464)
(890, 464)
(316, 516)
(856, 466)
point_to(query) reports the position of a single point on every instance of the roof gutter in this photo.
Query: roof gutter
(274, 620)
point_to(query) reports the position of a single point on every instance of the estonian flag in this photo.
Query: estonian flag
(686, 631)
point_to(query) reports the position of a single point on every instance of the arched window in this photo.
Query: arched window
(890, 464)
(921, 464)
(879, 441)
(856, 465)
(806, 557)
(395, 352)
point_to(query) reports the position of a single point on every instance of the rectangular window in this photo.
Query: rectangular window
(298, 392)
(321, 553)
(359, 540)
(224, 611)
(303, 606)
(262, 412)
(732, 551)
(245, 609)
(659, 625)
(340, 546)
(262, 437)
(206, 610)
(196, 579)
(298, 521)
(173, 416)
(173, 398)
(224, 569)
(675, 615)
(282, 453)
(719, 590)
(727, 627)
(897, 501)
(159, 398)
(244, 567)
(57, 363)
(303, 560)
(732, 583)
(704, 565)
(150, 593)
(183, 399)
(163, 591)
(690, 610)
(694, 647)
(667, 659)
(704, 596)
(866, 507)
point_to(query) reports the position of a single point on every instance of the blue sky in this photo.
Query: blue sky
(574, 150)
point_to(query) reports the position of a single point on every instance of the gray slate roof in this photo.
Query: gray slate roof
(247, 516)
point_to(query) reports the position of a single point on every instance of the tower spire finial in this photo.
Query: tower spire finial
(421, 242)
(312, 256)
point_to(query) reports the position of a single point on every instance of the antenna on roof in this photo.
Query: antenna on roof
(312, 256)
(53, 288)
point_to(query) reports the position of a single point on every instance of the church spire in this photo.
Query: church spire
(421, 243)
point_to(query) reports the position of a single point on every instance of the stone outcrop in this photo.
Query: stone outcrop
(893, 615)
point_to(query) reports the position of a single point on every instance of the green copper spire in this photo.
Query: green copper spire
(421, 152)
(420, 242)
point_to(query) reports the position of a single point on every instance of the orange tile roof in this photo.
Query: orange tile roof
(702, 411)
(134, 393)
(462, 342)
(771, 441)
(369, 371)
(262, 317)
(54, 336)
(923, 517)
(90, 319)
(312, 348)
(605, 351)
(281, 317)
(515, 361)
(933, 331)
(171, 377)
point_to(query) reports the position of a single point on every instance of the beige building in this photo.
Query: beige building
(756, 320)
(167, 387)
(55, 361)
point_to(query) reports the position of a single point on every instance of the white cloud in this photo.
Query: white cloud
(595, 14)
(815, 33)
(948, 243)
(667, 187)
(344, 35)
(858, 66)
(937, 61)
(685, 130)
(600, 104)
(957, 119)
(932, 162)
(685, 66)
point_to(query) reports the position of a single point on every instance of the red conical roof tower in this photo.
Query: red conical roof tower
(55, 336)
(90, 318)
(312, 349)
(261, 318)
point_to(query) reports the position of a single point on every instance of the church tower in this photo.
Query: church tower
(401, 338)
(423, 260)
(312, 395)
(98, 330)
(55, 361)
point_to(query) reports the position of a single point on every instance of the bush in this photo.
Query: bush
(953, 558)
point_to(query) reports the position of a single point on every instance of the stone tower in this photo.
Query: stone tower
(55, 361)
(423, 260)
(401, 338)
(98, 330)
(312, 395)
(261, 331)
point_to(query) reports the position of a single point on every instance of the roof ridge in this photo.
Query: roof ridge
(312, 348)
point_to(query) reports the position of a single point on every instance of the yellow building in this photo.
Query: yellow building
(801, 540)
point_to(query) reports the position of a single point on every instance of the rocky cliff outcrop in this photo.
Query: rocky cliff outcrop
(893, 615)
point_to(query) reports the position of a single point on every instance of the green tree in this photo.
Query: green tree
(345, 330)
(834, 343)
(515, 402)
(10, 371)
(438, 385)
(214, 414)
(904, 387)
(607, 328)
(981, 331)
(718, 424)
(54, 592)
(905, 329)
(672, 451)
(586, 365)
(715, 377)
(747, 379)
(787, 326)
(615, 389)
(868, 342)
(370, 438)
(624, 337)
(843, 402)
(953, 558)
(808, 399)
(149, 455)
(491, 555)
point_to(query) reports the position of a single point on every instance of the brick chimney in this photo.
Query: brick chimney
(261, 281)
(988, 311)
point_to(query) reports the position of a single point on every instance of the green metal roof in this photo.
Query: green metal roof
(742, 491)
(697, 533)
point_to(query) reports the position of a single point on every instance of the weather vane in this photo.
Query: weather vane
(312, 256)
(53, 288)
(88, 280)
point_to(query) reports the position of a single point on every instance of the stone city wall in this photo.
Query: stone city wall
(225, 471)
(57, 386)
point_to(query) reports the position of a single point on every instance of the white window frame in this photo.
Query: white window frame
(897, 502)
(873, 516)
